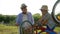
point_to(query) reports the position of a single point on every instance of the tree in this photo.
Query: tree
(36, 16)
(1, 17)
(6, 19)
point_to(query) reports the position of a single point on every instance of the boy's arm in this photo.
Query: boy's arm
(44, 19)
(40, 20)
(45, 22)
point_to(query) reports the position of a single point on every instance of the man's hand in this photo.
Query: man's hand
(17, 24)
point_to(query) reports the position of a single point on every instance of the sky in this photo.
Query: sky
(12, 7)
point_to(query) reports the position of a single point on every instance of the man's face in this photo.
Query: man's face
(24, 10)
(44, 11)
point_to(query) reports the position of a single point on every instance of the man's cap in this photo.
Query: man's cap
(44, 7)
(23, 5)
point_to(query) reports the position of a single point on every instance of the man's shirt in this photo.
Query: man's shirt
(26, 24)
(24, 17)
(20, 18)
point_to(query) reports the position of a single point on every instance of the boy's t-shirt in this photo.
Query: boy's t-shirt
(50, 21)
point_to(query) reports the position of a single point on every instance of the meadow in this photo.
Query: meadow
(14, 29)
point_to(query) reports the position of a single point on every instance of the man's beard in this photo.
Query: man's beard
(24, 12)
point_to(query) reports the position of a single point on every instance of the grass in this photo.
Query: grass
(8, 29)
(14, 29)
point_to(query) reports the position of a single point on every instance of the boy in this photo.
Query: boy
(47, 18)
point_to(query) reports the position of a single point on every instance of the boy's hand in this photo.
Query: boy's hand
(44, 22)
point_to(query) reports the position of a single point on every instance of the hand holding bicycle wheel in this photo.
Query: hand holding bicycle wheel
(26, 27)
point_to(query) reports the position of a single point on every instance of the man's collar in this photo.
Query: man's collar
(23, 13)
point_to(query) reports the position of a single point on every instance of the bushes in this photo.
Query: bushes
(10, 19)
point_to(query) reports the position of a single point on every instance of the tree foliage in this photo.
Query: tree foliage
(36, 16)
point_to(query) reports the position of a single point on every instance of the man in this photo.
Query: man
(23, 17)
(47, 18)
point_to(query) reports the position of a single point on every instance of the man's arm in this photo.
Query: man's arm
(32, 19)
(17, 21)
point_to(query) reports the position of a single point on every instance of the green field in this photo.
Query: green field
(8, 29)
(14, 29)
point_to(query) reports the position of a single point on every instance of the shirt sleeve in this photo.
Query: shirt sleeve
(17, 20)
(32, 19)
